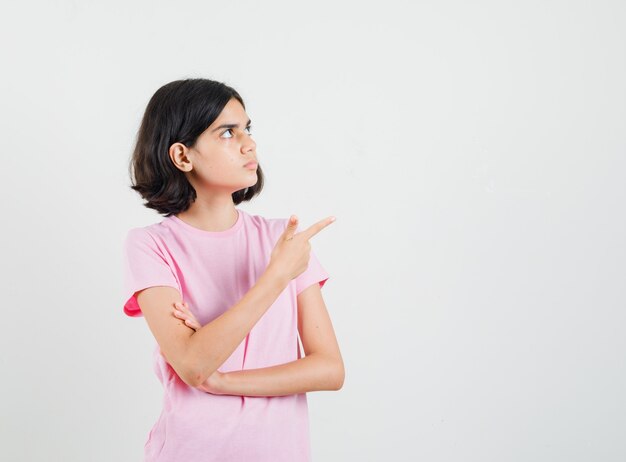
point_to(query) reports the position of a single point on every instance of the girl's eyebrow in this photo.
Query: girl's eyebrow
(229, 126)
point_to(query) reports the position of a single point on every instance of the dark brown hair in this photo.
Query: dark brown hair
(179, 111)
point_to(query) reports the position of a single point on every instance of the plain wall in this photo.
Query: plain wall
(472, 152)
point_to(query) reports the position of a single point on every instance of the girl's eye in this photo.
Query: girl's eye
(249, 128)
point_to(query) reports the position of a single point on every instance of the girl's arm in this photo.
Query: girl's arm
(195, 355)
(321, 369)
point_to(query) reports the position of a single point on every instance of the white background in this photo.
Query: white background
(473, 153)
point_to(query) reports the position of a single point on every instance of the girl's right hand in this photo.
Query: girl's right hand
(182, 312)
(291, 253)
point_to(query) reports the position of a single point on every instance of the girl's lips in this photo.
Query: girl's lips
(251, 165)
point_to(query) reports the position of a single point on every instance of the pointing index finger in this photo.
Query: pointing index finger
(317, 227)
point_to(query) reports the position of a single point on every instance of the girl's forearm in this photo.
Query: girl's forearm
(311, 373)
(214, 342)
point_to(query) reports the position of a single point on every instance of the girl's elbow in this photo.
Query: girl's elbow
(340, 375)
(193, 379)
(192, 374)
(188, 375)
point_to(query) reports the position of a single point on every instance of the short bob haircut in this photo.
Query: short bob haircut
(179, 111)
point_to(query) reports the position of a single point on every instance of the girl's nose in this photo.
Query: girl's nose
(248, 144)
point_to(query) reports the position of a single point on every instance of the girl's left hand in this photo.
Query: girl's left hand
(181, 311)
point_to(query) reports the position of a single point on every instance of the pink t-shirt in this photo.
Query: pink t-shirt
(213, 271)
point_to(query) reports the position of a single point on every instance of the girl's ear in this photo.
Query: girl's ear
(179, 154)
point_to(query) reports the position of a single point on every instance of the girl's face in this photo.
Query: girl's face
(217, 162)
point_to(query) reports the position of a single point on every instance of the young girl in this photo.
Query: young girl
(225, 293)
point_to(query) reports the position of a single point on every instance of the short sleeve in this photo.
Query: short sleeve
(144, 266)
(315, 272)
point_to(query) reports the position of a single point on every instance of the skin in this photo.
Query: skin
(215, 168)
(321, 368)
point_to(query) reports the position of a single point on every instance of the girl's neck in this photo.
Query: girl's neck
(210, 217)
